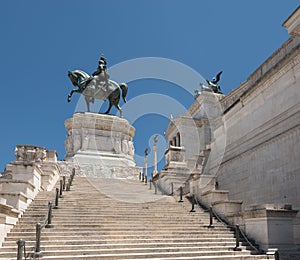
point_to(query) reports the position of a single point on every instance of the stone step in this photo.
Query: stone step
(223, 257)
(63, 207)
(94, 245)
(154, 235)
(92, 225)
(117, 219)
(151, 253)
(141, 252)
(131, 240)
(10, 251)
(115, 234)
(141, 218)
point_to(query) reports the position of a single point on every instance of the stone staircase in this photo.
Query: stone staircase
(118, 219)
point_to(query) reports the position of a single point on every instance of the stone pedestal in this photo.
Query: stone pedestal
(271, 225)
(100, 146)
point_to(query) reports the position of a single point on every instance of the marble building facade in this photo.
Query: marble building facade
(250, 139)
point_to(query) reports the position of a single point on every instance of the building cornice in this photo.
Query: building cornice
(274, 67)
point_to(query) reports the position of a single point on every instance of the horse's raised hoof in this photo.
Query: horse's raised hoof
(69, 99)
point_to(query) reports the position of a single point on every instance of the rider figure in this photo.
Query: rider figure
(102, 68)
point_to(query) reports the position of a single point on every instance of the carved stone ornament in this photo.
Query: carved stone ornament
(131, 148)
(117, 146)
(125, 146)
(30, 154)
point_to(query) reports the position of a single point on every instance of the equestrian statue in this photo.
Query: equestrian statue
(98, 86)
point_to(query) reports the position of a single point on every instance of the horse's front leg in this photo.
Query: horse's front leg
(71, 93)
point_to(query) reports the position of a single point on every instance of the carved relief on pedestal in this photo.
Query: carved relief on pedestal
(117, 145)
(69, 144)
(130, 148)
(76, 140)
(125, 146)
(85, 140)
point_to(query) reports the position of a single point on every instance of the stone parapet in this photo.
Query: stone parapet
(212, 196)
(227, 208)
(292, 24)
(50, 175)
(174, 154)
(271, 225)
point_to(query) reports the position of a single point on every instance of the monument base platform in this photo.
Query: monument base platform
(100, 145)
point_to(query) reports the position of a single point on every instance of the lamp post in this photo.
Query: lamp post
(155, 156)
(145, 164)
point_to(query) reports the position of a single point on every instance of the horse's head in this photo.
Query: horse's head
(73, 77)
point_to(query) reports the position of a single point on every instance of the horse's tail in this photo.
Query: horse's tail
(124, 89)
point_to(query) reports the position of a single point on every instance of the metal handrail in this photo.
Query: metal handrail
(227, 224)
(36, 252)
(21, 249)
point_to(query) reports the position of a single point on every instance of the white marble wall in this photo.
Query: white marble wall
(261, 161)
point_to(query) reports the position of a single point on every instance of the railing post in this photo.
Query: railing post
(181, 194)
(68, 186)
(37, 253)
(211, 217)
(61, 189)
(150, 184)
(56, 198)
(155, 187)
(237, 238)
(143, 177)
(146, 179)
(64, 182)
(172, 189)
(140, 176)
(193, 203)
(49, 224)
(21, 245)
(72, 177)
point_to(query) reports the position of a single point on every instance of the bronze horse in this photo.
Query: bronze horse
(97, 87)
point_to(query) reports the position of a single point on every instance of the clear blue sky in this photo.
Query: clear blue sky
(42, 40)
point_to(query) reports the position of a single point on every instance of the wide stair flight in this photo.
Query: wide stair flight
(121, 219)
